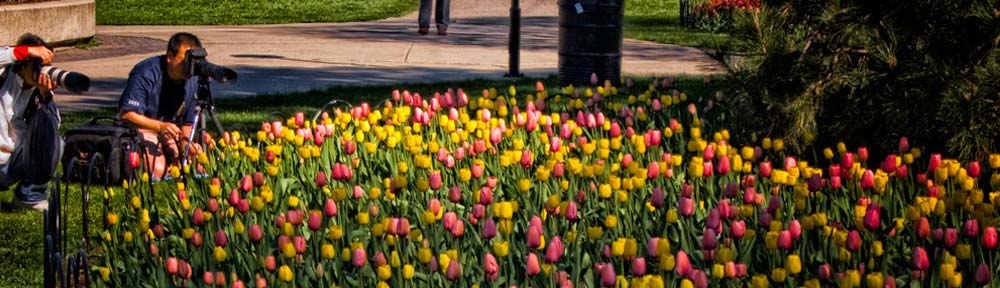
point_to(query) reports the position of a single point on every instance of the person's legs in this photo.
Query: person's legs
(156, 163)
(424, 20)
(36, 158)
(442, 16)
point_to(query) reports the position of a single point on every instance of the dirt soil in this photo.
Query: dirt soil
(112, 46)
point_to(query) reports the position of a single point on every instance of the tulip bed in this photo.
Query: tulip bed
(591, 186)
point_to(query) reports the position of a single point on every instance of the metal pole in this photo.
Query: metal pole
(515, 40)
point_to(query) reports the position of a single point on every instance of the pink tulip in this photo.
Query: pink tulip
(651, 246)
(709, 152)
(449, 220)
(458, 229)
(889, 164)
(489, 229)
(737, 228)
(572, 211)
(534, 236)
(686, 207)
(404, 227)
(300, 244)
(243, 206)
(687, 190)
(847, 161)
(920, 260)
(825, 271)
(639, 266)
(196, 239)
(707, 168)
(653, 171)
(950, 237)
(971, 228)
(247, 183)
(209, 278)
(213, 205)
(867, 180)
(532, 267)
(904, 144)
(359, 258)
(329, 208)
(234, 197)
(172, 265)
(835, 182)
(490, 267)
(607, 276)
(795, 228)
(700, 278)
(616, 130)
(785, 240)
(270, 263)
(765, 168)
(526, 158)
(477, 170)
(554, 250)
(295, 217)
(435, 180)
(863, 154)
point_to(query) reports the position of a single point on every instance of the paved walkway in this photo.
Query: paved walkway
(301, 57)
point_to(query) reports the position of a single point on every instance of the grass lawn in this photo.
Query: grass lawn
(21, 245)
(236, 12)
(659, 21)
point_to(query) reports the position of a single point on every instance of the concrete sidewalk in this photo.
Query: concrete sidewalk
(301, 57)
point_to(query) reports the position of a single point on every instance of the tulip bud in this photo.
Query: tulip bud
(683, 264)
(532, 267)
(765, 168)
(873, 218)
(971, 228)
(785, 240)
(534, 236)
(867, 179)
(639, 266)
(795, 228)
(950, 237)
(320, 179)
(255, 233)
(359, 258)
(935, 162)
(197, 217)
(737, 229)
(973, 169)
(554, 250)
(709, 240)
(983, 274)
(435, 180)
(853, 241)
(608, 276)
(686, 206)
(220, 238)
(490, 267)
(920, 260)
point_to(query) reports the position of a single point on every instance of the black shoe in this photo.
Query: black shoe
(442, 30)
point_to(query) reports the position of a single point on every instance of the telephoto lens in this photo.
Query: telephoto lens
(72, 81)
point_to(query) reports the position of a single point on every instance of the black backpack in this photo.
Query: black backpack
(110, 137)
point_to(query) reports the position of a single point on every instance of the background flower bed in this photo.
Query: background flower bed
(654, 194)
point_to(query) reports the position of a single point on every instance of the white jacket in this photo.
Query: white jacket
(13, 100)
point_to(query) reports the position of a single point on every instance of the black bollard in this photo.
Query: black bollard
(514, 46)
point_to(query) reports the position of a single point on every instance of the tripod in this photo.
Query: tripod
(204, 109)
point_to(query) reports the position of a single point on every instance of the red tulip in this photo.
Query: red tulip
(404, 227)
(873, 218)
(700, 279)
(449, 220)
(220, 238)
(172, 266)
(213, 205)
(315, 220)
(889, 164)
(532, 267)
(247, 183)
(639, 266)
(654, 170)
(234, 197)
(853, 240)
(687, 190)
(835, 182)
(920, 260)
(709, 152)
(825, 271)
(904, 144)
(526, 158)
(724, 165)
(682, 265)
(133, 160)
(458, 229)
(973, 169)
(923, 227)
(990, 237)
(255, 233)
(320, 179)
(196, 239)
(243, 205)
(295, 217)
(454, 194)
(935, 162)
(867, 180)
(863, 153)
(922, 178)
(485, 195)
(707, 168)
(847, 161)
(197, 217)
(490, 267)
(209, 278)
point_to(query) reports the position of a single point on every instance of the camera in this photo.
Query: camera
(198, 66)
(72, 81)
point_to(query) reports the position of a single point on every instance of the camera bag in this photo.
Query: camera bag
(110, 137)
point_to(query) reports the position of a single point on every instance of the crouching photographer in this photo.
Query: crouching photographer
(29, 121)
(160, 99)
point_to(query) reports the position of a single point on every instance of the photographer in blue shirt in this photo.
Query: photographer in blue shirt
(158, 100)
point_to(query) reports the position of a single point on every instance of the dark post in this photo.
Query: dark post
(515, 40)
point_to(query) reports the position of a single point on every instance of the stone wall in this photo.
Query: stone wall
(62, 21)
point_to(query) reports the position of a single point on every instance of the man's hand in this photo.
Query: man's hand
(168, 129)
(41, 52)
(45, 87)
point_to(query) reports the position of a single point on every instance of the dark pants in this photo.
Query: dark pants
(441, 13)
(35, 158)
